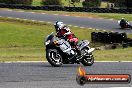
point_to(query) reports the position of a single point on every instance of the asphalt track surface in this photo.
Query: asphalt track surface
(104, 24)
(42, 75)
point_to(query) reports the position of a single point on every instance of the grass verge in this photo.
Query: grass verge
(36, 2)
(114, 55)
(23, 41)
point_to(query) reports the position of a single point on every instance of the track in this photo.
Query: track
(104, 24)
(42, 75)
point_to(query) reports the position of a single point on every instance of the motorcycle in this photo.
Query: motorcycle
(124, 26)
(59, 51)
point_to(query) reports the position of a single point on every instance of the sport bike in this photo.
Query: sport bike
(124, 25)
(59, 51)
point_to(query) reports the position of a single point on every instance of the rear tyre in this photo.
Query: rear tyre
(54, 57)
(87, 60)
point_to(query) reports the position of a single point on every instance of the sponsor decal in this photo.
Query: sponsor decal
(84, 78)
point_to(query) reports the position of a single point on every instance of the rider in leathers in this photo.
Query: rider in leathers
(64, 32)
(125, 24)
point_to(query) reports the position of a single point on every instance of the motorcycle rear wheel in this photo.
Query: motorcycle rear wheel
(87, 61)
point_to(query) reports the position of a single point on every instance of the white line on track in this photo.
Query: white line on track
(82, 27)
(24, 62)
(41, 21)
(24, 19)
(66, 15)
(33, 20)
(69, 25)
(49, 22)
(91, 29)
(107, 61)
(9, 10)
(18, 18)
(43, 13)
(75, 26)
(32, 12)
(56, 14)
(9, 17)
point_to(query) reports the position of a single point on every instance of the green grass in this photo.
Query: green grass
(21, 35)
(36, 2)
(22, 54)
(23, 41)
(114, 55)
(103, 5)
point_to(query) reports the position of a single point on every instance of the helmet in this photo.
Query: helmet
(122, 18)
(59, 24)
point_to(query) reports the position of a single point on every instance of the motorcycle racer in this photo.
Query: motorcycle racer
(64, 48)
(124, 24)
(123, 21)
(64, 32)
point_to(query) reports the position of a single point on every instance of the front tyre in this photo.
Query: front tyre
(88, 60)
(54, 57)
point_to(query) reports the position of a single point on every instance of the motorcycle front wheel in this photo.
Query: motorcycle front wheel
(54, 57)
(87, 60)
